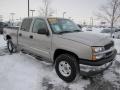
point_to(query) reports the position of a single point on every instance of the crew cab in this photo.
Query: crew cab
(61, 42)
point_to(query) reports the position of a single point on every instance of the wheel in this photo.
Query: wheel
(66, 67)
(10, 46)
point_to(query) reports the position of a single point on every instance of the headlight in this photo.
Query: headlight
(95, 53)
(97, 49)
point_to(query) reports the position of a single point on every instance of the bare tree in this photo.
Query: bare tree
(110, 12)
(46, 10)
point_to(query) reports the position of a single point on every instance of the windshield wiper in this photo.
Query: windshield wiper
(77, 31)
(64, 32)
(68, 31)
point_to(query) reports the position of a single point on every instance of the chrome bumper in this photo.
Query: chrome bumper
(87, 70)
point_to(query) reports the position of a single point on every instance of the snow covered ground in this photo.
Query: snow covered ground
(23, 72)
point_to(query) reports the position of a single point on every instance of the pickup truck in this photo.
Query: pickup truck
(61, 42)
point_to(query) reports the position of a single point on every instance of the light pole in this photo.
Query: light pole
(91, 21)
(32, 12)
(28, 8)
(12, 15)
(64, 14)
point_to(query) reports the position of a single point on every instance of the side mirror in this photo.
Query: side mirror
(43, 31)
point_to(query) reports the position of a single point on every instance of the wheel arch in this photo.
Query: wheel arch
(8, 37)
(62, 51)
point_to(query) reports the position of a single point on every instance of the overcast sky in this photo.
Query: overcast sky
(75, 8)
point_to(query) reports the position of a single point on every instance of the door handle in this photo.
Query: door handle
(20, 34)
(31, 37)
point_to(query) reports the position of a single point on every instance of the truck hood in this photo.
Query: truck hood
(87, 38)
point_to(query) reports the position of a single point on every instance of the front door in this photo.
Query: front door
(40, 43)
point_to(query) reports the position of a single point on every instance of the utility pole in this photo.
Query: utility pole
(32, 12)
(91, 22)
(28, 8)
(64, 14)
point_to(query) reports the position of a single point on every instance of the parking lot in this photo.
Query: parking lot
(21, 71)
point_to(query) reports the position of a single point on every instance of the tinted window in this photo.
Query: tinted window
(38, 25)
(26, 24)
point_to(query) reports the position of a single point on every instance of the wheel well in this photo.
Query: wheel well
(61, 51)
(8, 37)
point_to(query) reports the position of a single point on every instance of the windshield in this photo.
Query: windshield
(63, 25)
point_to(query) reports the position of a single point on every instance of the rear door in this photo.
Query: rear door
(24, 33)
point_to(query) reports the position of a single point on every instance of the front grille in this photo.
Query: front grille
(109, 54)
(108, 46)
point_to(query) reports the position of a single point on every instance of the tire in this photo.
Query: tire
(10, 46)
(71, 69)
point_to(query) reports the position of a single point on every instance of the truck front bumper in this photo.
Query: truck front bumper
(90, 68)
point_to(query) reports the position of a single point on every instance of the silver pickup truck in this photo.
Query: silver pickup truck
(61, 42)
